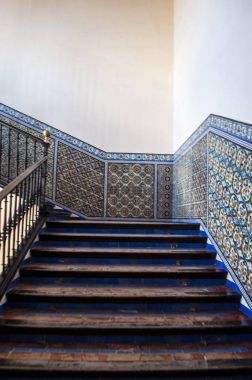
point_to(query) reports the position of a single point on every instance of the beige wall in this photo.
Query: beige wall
(100, 70)
(212, 62)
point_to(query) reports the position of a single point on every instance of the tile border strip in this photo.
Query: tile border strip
(79, 144)
(234, 129)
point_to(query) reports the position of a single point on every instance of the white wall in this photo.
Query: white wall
(212, 62)
(100, 70)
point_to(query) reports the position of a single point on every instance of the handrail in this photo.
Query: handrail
(24, 133)
(22, 200)
(19, 150)
(13, 184)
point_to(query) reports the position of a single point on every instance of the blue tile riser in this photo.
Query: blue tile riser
(124, 339)
(127, 307)
(121, 282)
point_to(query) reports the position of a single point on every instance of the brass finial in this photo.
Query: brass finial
(46, 135)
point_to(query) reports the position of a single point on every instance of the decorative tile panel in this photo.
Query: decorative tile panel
(182, 186)
(199, 180)
(190, 183)
(80, 181)
(230, 204)
(130, 191)
(164, 191)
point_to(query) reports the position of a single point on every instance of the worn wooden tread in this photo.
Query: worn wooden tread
(49, 235)
(121, 249)
(122, 294)
(122, 322)
(126, 224)
(123, 270)
(162, 364)
(95, 252)
(59, 310)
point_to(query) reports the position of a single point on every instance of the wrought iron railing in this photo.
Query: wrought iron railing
(18, 151)
(22, 200)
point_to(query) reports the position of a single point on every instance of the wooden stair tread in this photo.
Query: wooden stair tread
(132, 253)
(19, 311)
(123, 269)
(121, 250)
(70, 327)
(115, 322)
(179, 363)
(123, 292)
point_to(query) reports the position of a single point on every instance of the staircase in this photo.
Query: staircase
(122, 300)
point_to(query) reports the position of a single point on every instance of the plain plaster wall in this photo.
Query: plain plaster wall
(100, 70)
(212, 62)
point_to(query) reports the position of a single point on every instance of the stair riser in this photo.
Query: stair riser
(119, 226)
(141, 338)
(24, 375)
(126, 300)
(122, 281)
(59, 306)
(131, 308)
(154, 240)
(130, 231)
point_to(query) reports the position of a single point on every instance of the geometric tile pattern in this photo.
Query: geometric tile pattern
(80, 181)
(230, 204)
(199, 180)
(182, 173)
(164, 191)
(190, 183)
(130, 191)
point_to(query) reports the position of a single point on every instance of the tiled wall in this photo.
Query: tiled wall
(96, 184)
(209, 177)
(130, 191)
(164, 191)
(190, 182)
(213, 182)
(230, 204)
(79, 181)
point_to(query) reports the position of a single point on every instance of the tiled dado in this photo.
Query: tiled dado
(77, 180)
(130, 191)
(164, 191)
(230, 204)
(213, 181)
(190, 183)
(132, 187)
(80, 181)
